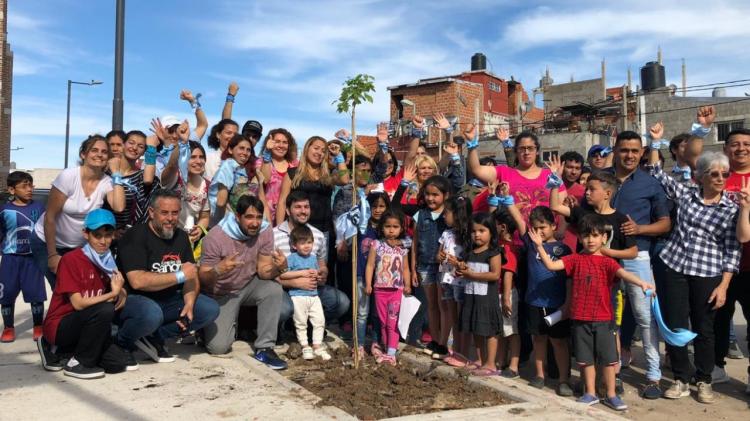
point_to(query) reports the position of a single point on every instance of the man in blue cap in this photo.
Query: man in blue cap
(600, 157)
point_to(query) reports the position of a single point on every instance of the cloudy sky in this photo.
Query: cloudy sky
(290, 57)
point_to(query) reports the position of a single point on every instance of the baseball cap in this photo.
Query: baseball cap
(169, 120)
(98, 218)
(252, 126)
(596, 149)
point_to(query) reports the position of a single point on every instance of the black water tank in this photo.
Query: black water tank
(652, 76)
(478, 62)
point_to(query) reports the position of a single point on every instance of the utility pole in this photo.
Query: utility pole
(624, 107)
(117, 101)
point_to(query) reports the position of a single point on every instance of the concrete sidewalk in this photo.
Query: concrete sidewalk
(195, 387)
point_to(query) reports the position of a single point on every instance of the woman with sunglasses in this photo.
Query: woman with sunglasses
(701, 255)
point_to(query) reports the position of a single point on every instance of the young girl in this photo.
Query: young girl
(235, 178)
(453, 243)
(379, 204)
(429, 226)
(391, 280)
(510, 343)
(480, 314)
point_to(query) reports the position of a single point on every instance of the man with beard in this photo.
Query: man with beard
(335, 303)
(238, 267)
(162, 282)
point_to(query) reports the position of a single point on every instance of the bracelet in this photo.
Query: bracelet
(553, 181)
(195, 103)
(383, 147)
(506, 200)
(180, 277)
(230, 98)
(418, 133)
(507, 143)
(493, 201)
(266, 156)
(472, 144)
(455, 157)
(117, 179)
(52, 255)
(149, 158)
(448, 130)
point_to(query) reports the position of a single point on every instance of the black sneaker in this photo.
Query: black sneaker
(75, 369)
(430, 348)
(130, 362)
(268, 357)
(155, 350)
(537, 382)
(652, 391)
(50, 361)
(441, 351)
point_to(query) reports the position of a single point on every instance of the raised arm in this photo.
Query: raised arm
(543, 256)
(116, 197)
(481, 172)
(232, 90)
(504, 195)
(417, 134)
(503, 135)
(177, 158)
(201, 123)
(555, 198)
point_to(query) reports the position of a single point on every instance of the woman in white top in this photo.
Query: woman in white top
(218, 140)
(76, 192)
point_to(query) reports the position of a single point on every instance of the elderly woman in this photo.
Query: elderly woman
(74, 193)
(701, 255)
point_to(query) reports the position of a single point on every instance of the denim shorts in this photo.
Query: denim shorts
(428, 275)
(453, 292)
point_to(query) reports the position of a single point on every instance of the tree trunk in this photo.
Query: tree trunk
(355, 290)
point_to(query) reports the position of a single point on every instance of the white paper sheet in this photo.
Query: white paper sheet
(409, 307)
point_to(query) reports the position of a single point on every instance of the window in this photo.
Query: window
(725, 127)
(494, 87)
(547, 155)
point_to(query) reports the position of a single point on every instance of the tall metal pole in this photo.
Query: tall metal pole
(67, 125)
(117, 102)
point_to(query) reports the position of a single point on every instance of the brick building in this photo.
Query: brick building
(6, 93)
(475, 95)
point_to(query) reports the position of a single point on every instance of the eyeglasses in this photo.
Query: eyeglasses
(526, 148)
(717, 174)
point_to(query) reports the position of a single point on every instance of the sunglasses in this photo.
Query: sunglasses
(716, 174)
(526, 148)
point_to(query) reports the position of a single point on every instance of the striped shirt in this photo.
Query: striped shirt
(137, 196)
(281, 241)
(703, 241)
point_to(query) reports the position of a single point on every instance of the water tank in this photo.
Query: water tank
(653, 76)
(478, 62)
(719, 92)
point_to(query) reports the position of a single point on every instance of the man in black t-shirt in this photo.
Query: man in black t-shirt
(162, 281)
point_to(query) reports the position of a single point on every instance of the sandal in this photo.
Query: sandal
(456, 360)
(376, 350)
(484, 372)
(473, 365)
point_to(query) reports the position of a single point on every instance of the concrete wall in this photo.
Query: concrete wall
(586, 91)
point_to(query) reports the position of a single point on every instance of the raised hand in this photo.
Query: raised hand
(555, 165)
(503, 189)
(502, 133)
(383, 132)
(418, 122)
(450, 147)
(186, 95)
(706, 115)
(744, 194)
(158, 129)
(410, 172)
(630, 227)
(441, 121)
(233, 88)
(470, 131)
(184, 131)
(656, 130)
(535, 238)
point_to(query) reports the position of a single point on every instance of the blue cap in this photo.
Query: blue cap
(596, 149)
(98, 218)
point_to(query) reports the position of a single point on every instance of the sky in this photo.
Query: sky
(290, 58)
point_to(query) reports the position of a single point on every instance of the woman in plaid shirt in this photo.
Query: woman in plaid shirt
(701, 255)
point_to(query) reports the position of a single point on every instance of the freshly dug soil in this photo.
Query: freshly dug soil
(382, 391)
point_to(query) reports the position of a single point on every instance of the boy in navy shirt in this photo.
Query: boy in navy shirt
(17, 269)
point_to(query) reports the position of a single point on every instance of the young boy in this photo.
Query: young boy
(17, 269)
(509, 342)
(307, 306)
(545, 292)
(593, 276)
(600, 187)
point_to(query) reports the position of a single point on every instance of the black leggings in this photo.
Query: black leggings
(738, 291)
(86, 333)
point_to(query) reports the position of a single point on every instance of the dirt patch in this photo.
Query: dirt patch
(382, 391)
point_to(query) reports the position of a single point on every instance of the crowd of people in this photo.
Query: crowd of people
(151, 238)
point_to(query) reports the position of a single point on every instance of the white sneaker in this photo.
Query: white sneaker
(322, 353)
(677, 390)
(719, 375)
(307, 353)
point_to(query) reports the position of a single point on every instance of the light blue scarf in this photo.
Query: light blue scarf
(678, 337)
(231, 227)
(225, 175)
(105, 261)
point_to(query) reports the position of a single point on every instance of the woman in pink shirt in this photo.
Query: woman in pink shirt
(279, 154)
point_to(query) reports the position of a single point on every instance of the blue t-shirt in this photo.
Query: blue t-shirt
(545, 288)
(17, 226)
(297, 262)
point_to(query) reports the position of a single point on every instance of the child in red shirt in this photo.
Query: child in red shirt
(88, 291)
(593, 276)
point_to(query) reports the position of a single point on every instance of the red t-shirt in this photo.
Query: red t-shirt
(511, 261)
(734, 184)
(593, 278)
(480, 202)
(75, 273)
(571, 235)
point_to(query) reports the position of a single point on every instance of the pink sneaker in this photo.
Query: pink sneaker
(376, 350)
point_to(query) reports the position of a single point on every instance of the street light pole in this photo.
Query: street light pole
(117, 101)
(67, 118)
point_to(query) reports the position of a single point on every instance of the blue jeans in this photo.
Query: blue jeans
(641, 306)
(335, 304)
(143, 316)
